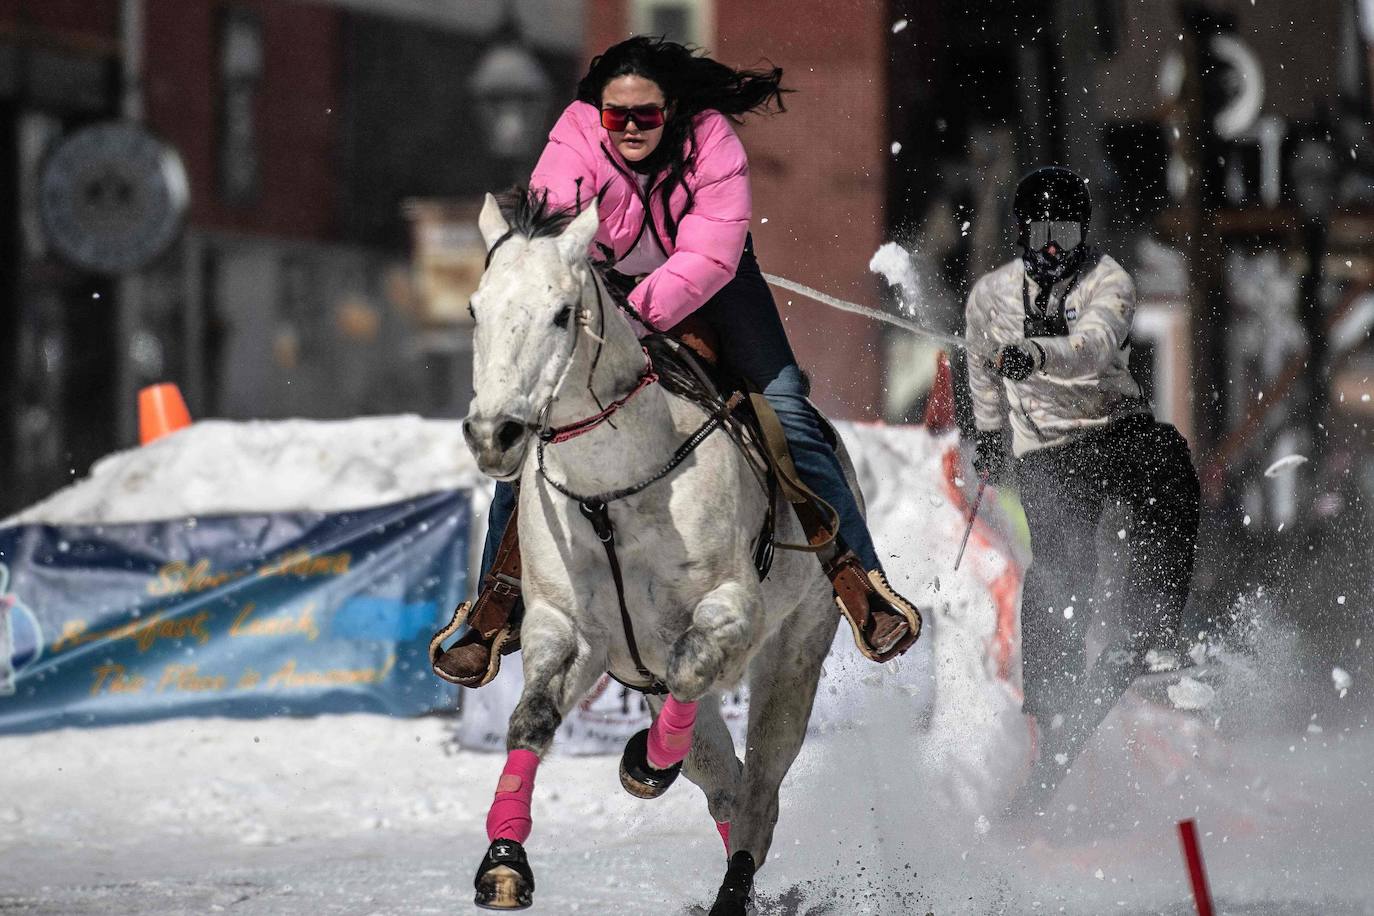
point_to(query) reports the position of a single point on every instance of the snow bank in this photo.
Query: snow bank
(220, 468)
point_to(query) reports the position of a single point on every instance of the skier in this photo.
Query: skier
(1057, 320)
(649, 142)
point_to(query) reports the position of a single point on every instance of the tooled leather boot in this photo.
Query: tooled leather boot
(884, 623)
(493, 630)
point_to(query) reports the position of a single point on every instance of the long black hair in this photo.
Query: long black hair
(691, 83)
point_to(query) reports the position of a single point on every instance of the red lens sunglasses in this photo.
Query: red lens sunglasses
(646, 117)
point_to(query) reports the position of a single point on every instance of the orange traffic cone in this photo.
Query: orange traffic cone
(161, 410)
(940, 402)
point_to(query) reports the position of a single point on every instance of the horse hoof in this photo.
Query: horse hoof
(639, 778)
(504, 879)
(735, 897)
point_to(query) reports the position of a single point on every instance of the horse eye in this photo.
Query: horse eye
(471, 312)
(564, 314)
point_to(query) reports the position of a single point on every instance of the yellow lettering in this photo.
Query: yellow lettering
(289, 676)
(302, 563)
(306, 623)
(73, 634)
(189, 679)
(280, 625)
(113, 679)
(176, 578)
(168, 579)
(244, 614)
(145, 635)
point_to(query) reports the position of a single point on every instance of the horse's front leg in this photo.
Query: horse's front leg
(559, 670)
(718, 638)
(782, 687)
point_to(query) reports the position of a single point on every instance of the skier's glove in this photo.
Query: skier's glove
(1014, 362)
(991, 459)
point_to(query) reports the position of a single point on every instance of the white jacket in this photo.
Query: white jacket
(1080, 380)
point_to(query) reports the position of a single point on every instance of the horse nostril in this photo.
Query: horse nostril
(508, 433)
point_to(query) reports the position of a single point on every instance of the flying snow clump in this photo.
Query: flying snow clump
(1286, 463)
(1189, 693)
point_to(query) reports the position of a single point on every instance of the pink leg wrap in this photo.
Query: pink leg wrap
(670, 737)
(509, 817)
(724, 828)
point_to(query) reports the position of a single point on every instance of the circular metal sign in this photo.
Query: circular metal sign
(1242, 83)
(112, 197)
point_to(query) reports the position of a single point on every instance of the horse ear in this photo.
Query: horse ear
(491, 223)
(572, 244)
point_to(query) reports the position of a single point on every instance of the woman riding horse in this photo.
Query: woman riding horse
(649, 142)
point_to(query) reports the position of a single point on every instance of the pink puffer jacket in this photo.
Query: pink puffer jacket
(580, 164)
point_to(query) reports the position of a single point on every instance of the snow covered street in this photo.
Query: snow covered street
(366, 814)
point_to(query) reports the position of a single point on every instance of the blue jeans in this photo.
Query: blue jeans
(754, 345)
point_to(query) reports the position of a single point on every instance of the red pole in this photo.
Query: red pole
(1192, 854)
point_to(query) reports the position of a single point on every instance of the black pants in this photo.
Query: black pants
(1143, 466)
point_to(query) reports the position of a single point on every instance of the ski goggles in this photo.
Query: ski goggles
(1039, 233)
(646, 117)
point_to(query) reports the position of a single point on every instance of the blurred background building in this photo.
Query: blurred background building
(298, 239)
(281, 284)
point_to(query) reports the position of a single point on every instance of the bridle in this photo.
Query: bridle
(582, 325)
(555, 435)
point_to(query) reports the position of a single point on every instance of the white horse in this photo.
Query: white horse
(551, 352)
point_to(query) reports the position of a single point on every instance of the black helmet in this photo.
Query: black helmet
(1056, 201)
(1054, 194)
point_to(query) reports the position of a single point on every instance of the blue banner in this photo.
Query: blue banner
(246, 615)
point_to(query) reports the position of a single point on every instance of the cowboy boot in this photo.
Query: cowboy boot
(476, 657)
(884, 623)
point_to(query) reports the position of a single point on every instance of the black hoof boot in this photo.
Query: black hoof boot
(639, 778)
(737, 890)
(504, 880)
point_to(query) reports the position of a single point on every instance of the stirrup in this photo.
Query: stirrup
(489, 618)
(853, 589)
(500, 644)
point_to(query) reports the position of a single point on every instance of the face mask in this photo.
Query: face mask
(1052, 250)
(1040, 233)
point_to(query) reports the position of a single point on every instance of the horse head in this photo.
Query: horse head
(529, 312)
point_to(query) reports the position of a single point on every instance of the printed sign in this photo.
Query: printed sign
(249, 615)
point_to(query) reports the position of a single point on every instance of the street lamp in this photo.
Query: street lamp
(512, 93)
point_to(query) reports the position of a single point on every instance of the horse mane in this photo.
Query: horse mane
(527, 211)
